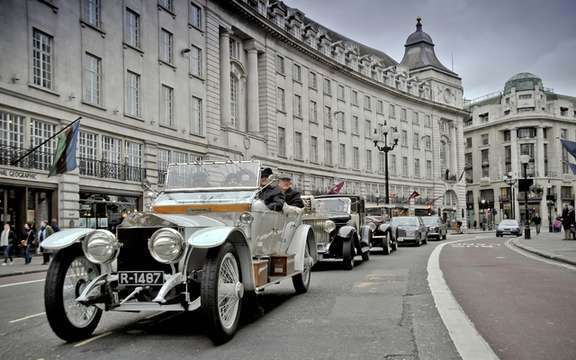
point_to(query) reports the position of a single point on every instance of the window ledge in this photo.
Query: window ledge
(313, 88)
(128, 46)
(282, 156)
(328, 126)
(164, 126)
(164, 62)
(97, 106)
(297, 81)
(135, 117)
(93, 27)
(341, 131)
(48, 91)
(192, 26)
(281, 111)
(192, 76)
(299, 117)
(197, 135)
(280, 73)
(50, 4)
(169, 11)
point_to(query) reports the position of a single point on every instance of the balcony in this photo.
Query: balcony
(38, 160)
(108, 170)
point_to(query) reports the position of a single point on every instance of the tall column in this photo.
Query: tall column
(252, 91)
(225, 113)
(540, 152)
(516, 172)
(454, 150)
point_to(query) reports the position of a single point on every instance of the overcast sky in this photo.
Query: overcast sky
(490, 40)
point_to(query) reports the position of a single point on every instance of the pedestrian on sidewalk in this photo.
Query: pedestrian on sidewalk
(54, 225)
(45, 231)
(566, 222)
(7, 239)
(537, 220)
(28, 242)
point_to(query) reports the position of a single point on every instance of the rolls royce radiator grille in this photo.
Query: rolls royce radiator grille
(134, 254)
(320, 235)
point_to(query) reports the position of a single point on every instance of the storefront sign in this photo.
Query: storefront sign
(17, 174)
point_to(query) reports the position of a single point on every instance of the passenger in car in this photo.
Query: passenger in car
(272, 196)
(292, 196)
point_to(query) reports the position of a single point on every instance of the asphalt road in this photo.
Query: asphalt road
(380, 310)
(524, 308)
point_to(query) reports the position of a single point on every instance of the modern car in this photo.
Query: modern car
(208, 241)
(382, 236)
(340, 229)
(410, 229)
(508, 227)
(436, 227)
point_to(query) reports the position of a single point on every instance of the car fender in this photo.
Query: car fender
(303, 236)
(210, 237)
(65, 238)
(366, 231)
(384, 228)
(346, 231)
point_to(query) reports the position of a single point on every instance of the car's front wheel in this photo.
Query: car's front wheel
(348, 254)
(221, 293)
(386, 247)
(67, 276)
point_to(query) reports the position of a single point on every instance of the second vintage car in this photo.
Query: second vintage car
(410, 229)
(436, 227)
(382, 235)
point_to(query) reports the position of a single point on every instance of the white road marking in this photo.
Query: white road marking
(467, 340)
(27, 317)
(21, 283)
(538, 258)
(87, 341)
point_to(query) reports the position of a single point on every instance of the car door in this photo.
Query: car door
(267, 229)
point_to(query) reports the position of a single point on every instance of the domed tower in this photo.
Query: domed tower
(523, 92)
(420, 58)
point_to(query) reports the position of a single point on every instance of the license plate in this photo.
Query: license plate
(150, 278)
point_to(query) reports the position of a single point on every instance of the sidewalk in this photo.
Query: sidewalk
(18, 268)
(549, 245)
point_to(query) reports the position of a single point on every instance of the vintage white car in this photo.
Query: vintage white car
(207, 242)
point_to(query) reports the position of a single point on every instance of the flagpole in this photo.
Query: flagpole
(44, 142)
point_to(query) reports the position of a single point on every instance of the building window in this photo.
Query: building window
(367, 104)
(42, 62)
(392, 111)
(195, 15)
(234, 48)
(92, 79)
(196, 118)
(507, 159)
(468, 142)
(132, 28)
(162, 164)
(166, 46)
(368, 160)
(382, 163)
(416, 119)
(380, 106)
(356, 157)
(417, 168)
(314, 149)
(167, 106)
(179, 157)
(392, 165)
(313, 112)
(11, 131)
(297, 73)
(355, 125)
(403, 115)
(87, 145)
(167, 4)
(485, 163)
(327, 87)
(340, 95)
(404, 138)
(526, 133)
(298, 151)
(281, 99)
(367, 128)
(483, 117)
(416, 143)
(485, 139)
(328, 160)
(91, 12)
(297, 106)
(428, 121)
(354, 99)
(340, 121)
(281, 142)
(327, 116)
(280, 66)
(429, 169)
(342, 155)
(312, 80)
(39, 132)
(133, 156)
(235, 100)
(525, 96)
(111, 153)
(132, 94)
(405, 166)
(195, 61)
(528, 149)
(428, 143)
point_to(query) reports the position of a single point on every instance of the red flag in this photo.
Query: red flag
(414, 195)
(336, 188)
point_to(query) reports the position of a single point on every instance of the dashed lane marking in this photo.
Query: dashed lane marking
(467, 340)
(27, 317)
(21, 283)
(87, 341)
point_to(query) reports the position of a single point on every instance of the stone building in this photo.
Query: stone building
(167, 81)
(524, 119)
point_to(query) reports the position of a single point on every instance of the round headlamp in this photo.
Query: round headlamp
(246, 218)
(329, 226)
(100, 247)
(166, 245)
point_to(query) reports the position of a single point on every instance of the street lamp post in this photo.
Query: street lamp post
(381, 143)
(510, 182)
(525, 159)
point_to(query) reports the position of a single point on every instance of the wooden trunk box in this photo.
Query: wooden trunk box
(260, 270)
(281, 265)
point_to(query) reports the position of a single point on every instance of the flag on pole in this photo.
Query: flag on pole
(570, 146)
(461, 175)
(336, 188)
(572, 167)
(414, 195)
(65, 154)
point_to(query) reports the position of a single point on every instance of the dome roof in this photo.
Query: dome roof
(418, 36)
(522, 81)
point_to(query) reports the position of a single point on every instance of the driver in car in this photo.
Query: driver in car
(272, 196)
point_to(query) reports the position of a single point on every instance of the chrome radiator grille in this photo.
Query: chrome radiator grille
(320, 235)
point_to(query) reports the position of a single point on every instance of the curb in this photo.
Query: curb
(544, 254)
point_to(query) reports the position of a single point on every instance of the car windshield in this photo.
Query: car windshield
(509, 223)
(411, 221)
(333, 206)
(431, 220)
(213, 175)
(204, 197)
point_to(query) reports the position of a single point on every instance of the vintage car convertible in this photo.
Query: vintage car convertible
(207, 243)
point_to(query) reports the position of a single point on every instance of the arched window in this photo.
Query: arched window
(234, 100)
(443, 155)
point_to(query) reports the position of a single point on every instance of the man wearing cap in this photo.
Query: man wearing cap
(272, 196)
(291, 196)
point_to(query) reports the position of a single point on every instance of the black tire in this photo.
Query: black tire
(56, 314)
(419, 241)
(425, 239)
(386, 247)
(301, 281)
(365, 255)
(216, 330)
(348, 254)
(444, 236)
(394, 244)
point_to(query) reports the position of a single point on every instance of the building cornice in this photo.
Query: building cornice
(273, 29)
(515, 119)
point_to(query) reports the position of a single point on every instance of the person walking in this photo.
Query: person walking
(566, 222)
(572, 219)
(537, 221)
(45, 231)
(7, 239)
(28, 242)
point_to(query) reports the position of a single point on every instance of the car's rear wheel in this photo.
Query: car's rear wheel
(348, 254)
(301, 281)
(386, 247)
(221, 293)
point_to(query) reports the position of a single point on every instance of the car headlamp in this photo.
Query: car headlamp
(329, 226)
(100, 247)
(166, 245)
(246, 218)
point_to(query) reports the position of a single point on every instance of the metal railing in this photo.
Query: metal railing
(108, 170)
(38, 160)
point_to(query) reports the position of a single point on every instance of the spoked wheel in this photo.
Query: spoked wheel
(348, 254)
(221, 293)
(67, 276)
(386, 247)
(301, 281)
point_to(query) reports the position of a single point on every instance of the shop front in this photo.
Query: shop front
(100, 210)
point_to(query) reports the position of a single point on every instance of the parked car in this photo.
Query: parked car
(207, 242)
(410, 229)
(436, 227)
(338, 222)
(382, 236)
(508, 227)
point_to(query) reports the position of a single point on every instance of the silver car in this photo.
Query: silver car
(410, 229)
(436, 227)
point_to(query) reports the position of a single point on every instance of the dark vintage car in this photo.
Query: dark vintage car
(382, 236)
(410, 229)
(340, 229)
(508, 227)
(436, 227)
